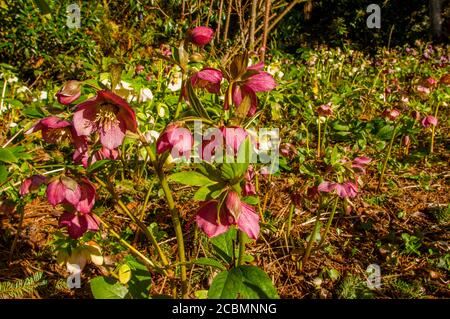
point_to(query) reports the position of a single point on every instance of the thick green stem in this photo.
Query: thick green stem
(330, 220)
(388, 154)
(174, 215)
(178, 231)
(241, 239)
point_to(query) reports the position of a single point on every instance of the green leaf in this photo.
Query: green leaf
(98, 165)
(3, 174)
(204, 261)
(33, 112)
(226, 285)
(107, 288)
(195, 102)
(223, 245)
(385, 133)
(190, 178)
(251, 200)
(7, 156)
(227, 172)
(256, 283)
(140, 281)
(209, 192)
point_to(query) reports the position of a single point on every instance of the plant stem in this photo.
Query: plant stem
(174, 215)
(241, 238)
(131, 248)
(141, 225)
(388, 153)
(318, 136)
(312, 237)
(433, 130)
(327, 227)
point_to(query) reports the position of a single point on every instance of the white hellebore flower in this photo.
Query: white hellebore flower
(145, 95)
(175, 80)
(274, 69)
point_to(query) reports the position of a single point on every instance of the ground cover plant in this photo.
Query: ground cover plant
(197, 150)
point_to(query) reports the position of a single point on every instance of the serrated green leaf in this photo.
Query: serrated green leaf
(223, 245)
(3, 174)
(256, 283)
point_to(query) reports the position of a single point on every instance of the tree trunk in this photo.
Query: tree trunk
(436, 17)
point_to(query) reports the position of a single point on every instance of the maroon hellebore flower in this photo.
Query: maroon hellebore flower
(234, 212)
(107, 114)
(176, 139)
(31, 183)
(208, 78)
(77, 224)
(70, 92)
(429, 120)
(325, 110)
(201, 35)
(252, 81)
(139, 69)
(87, 196)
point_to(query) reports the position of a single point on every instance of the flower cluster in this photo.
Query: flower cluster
(99, 123)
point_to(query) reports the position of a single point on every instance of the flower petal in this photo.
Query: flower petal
(111, 136)
(248, 221)
(206, 219)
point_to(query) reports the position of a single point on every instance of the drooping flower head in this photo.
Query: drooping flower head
(325, 110)
(245, 82)
(359, 164)
(54, 130)
(31, 183)
(107, 114)
(429, 120)
(77, 224)
(391, 114)
(66, 190)
(70, 92)
(222, 141)
(209, 79)
(234, 212)
(201, 35)
(249, 188)
(344, 190)
(176, 139)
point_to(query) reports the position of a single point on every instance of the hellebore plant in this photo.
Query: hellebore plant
(344, 190)
(391, 115)
(222, 172)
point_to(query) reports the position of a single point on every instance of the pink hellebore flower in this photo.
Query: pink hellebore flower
(347, 189)
(391, 114)
(209, 79)
(66, 190)
(70, 92)
(54, 130)
(429, 120)
(252, 81)
(201, 35)
(359, 163)
(63, 190)
(139, 69)
(104, 153)
(218, 139)
(107, 114)
(176, 139)
(77, 224)
(249, 188)
(325, 110)
(234, 212)
(31, 183)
